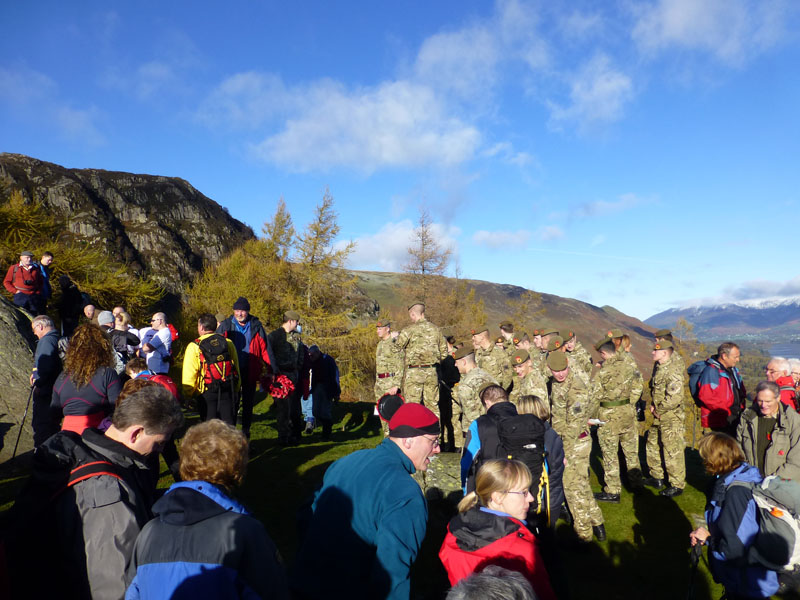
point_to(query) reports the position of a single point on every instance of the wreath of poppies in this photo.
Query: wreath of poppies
(280, 387)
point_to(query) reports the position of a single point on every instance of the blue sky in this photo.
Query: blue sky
(638, 154)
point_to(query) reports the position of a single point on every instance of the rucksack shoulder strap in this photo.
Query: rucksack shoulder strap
(91, 469)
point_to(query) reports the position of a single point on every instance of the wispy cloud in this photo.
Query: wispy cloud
(733, 31)
(599, 208)
(762, 288)
(501, 239)
(549, 233)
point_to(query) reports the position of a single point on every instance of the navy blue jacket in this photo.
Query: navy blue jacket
(46, 362)
(203, 544)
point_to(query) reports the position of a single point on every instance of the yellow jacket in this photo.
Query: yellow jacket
(192, 378)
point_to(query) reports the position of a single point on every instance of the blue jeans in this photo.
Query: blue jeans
(307, 406)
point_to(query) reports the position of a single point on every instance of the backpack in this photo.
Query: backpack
(216, 362)
(694, 371)
(521, 438)
(777, 544)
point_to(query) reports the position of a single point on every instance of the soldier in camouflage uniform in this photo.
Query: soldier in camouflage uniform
(424, 347)
(507, 333)
(666, 335)
(571, 408)
(491, 358)
(669, 422)
(289, 353)
(388, 366)
(546, 333)
(467, 404)
(612, 387)
(522, 342)
(530, 381)
(579, 357)
(637, 384)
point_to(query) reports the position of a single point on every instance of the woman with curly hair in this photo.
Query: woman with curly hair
(88, 387)
(202, 543)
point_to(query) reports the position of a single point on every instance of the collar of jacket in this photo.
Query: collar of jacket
(213, 492)
(752, 414)
(119, 453)
(389, 446)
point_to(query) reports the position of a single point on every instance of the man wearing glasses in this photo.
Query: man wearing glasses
(370, 516)
(156, 344)
(779, 371)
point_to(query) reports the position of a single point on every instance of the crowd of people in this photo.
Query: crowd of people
(522, 410)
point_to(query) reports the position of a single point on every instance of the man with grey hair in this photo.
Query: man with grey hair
(156, 344)
(779, 371)
(493, 583)
(46, 368)
(795, 364)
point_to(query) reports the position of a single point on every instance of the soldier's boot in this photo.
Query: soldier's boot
(606, 497)
(599, 532)
(654, 482)
(671, 492)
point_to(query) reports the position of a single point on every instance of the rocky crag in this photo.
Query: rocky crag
(161, 225)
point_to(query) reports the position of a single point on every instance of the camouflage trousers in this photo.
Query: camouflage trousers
(620, 430)
(668, 433)
(421, 385)
(580, 499)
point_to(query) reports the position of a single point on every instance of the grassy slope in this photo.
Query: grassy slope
(646, 555)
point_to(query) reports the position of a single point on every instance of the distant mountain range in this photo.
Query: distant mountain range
(774, 319)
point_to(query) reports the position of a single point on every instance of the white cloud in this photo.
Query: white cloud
(576, 25)
(598, 94)
(396, 124)
(245, 100)
(762, 288)
(36, 96)
(501, 239)
(387, 250)
(549, 233)
(731, 30)
(600, 208)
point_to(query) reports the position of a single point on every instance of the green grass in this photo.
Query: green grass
(646, 554)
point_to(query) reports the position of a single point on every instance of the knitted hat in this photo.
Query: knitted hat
(412, 420)
(241, 304)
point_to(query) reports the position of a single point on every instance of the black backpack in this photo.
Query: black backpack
(219, 370)
(522, 438)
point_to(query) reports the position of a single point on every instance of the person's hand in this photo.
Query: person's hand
(699, 536)
(393, 391)
(394, 334)
(32, 379)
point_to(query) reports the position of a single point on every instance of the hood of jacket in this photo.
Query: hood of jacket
(189, 502)
(501, 410)
(475, 529)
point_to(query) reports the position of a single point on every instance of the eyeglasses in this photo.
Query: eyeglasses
(524, 494)
(434, 442)
(771, 370)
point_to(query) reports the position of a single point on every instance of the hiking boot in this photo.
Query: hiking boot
(599, 532)
(309, 428)
(606, 497)
(671, 492)
(654, 483)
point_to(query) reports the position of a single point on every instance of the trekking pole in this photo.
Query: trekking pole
(694, 560)
(21, 425)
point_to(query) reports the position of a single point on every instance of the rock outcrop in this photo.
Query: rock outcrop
(16, 358)
(161, 225)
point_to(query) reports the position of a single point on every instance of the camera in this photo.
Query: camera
(27, 281)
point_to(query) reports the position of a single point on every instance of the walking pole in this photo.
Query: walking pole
(21, 425)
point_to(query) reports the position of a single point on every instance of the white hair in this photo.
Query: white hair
(781, 364)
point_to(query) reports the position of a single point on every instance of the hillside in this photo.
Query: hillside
(161, 225)
(589, 322)
(774, 320)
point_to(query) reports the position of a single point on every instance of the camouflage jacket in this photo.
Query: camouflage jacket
(495, 362)
(423, 344)
(667, 386)
(533, 384)
(614, 380)
(388, 361)
(571, 406)
(581, 359)
(466, 393)
(637, 384)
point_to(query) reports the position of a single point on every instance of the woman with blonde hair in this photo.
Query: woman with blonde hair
(491, 528)
(731, 519)
(202, 543)
(88, 387)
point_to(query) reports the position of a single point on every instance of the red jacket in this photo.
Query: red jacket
(788, 393)
(716, 394)
(471, 544)
(15, 282)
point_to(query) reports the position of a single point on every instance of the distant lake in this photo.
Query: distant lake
(790, 350)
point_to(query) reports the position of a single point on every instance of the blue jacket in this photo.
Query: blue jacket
(369, 520)
(46, 361)
(731, 515)
(204, 544)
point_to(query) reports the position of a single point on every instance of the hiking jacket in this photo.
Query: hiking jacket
(325, 373)
(46, 361)
(204, 544)
(192, 377)
(783, 451)
(555, 471)
(14, 282)
(714, 390)
(253, 354)
(85, 406)
(482, 434)
(477, 538)
(788, 393)
(731, 516)
(369, 520)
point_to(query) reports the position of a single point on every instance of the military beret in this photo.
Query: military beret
(418, 303)
(499, 339)
(519, 336)
(555, 343)
(600, 342)
(662, 333)
(614, 333)
(557, 361)
(291, 315)
(548, 329)
(520, 356)
(662, 345)
(478, 329)
(569, 335)
(383, 324)
(506, 323)
(464, 351)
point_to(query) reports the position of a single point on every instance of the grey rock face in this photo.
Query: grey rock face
(159, 224)
(16, 359)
